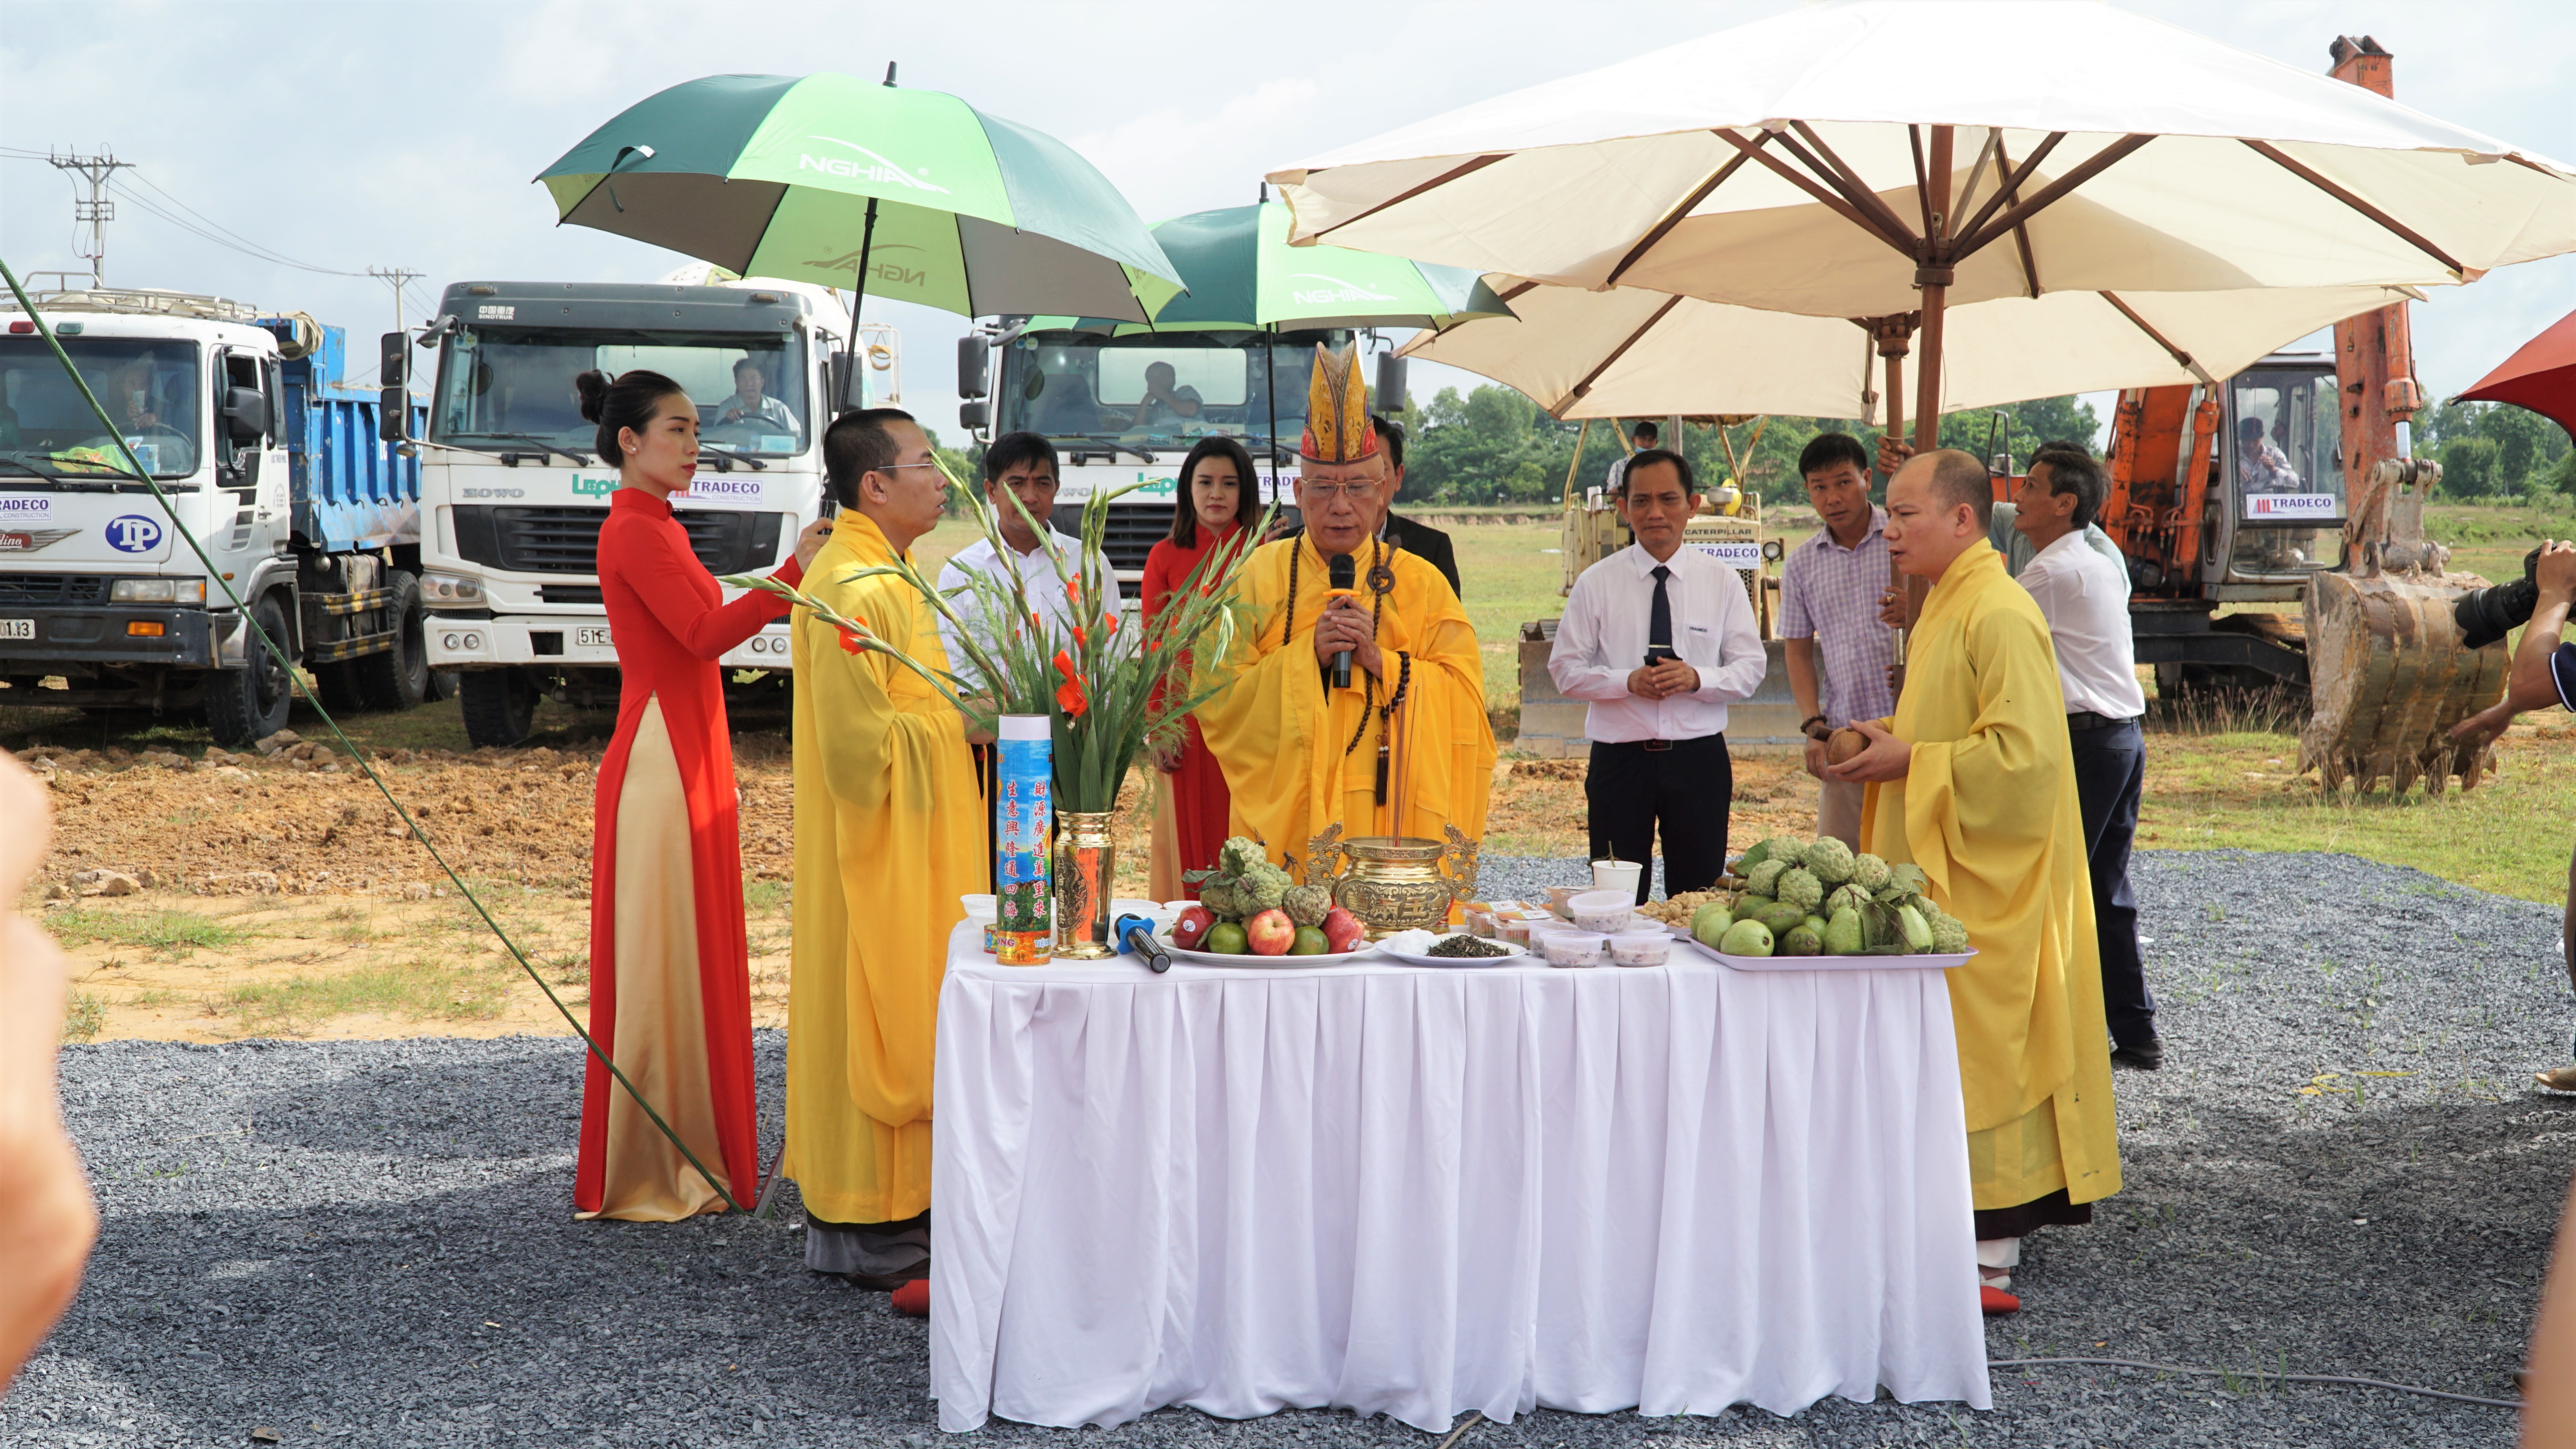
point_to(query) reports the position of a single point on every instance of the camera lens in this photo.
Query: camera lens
(2487, 615)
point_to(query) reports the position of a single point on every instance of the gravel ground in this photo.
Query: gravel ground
(367, 1242)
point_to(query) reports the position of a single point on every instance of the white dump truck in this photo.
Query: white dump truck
(513, 492)
(268, 458)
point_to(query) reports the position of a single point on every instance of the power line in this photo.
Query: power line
(167, 207)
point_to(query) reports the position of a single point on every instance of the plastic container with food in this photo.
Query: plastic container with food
(1602, 911)
(1641, 948)
(1571, 948)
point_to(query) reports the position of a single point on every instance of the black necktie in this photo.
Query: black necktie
(1659, 618)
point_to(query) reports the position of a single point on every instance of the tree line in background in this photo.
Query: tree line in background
(1494, 446)
(2496, 450)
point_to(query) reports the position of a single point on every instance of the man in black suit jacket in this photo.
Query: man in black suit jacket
(1420, 539)
(1416, 538)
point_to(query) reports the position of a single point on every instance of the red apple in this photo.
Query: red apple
(1192, 927)
(1271, 933)
(1342, 930)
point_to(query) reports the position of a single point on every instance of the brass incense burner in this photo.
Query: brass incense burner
(1394, 882)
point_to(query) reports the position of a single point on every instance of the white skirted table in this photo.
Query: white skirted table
(1421, 1191)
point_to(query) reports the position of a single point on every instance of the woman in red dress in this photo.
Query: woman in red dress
(1216, 503)
(670, 979)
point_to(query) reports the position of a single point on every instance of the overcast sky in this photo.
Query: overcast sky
(352, 135)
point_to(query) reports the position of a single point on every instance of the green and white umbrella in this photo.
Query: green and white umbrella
(1238, 274)
(908, 194)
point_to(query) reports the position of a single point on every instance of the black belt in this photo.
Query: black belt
(1654, 747)
(2085, 719)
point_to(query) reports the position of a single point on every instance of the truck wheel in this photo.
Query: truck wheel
(247, 705)
(336, 685)
(399, 677)
(500, 706)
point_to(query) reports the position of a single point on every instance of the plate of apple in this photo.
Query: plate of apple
(1250, 912)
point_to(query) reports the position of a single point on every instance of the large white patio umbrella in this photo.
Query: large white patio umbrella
(1628, 352)
(1868, 159)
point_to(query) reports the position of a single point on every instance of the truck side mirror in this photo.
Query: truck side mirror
(1390, 383)
(393, 415)
(974, 363)
(974, 417)
(393, 361)
(245, 415)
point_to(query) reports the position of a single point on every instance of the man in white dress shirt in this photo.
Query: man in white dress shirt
(1657, 638)
(1020, 465)
(2085, 598)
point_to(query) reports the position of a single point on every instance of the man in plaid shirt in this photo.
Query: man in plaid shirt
(1830, 592)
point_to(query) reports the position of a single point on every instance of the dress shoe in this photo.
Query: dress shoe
(2557, 1079)
(2144, 1056)
(912, 1300)
(1996, 1301)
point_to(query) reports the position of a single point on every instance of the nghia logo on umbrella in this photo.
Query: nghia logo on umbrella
(1339, 291)
(877, 168)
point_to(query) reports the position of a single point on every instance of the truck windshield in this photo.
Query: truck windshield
(150, 386)
(1160, 391)
(499, 386)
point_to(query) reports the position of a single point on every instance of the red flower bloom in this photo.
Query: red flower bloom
(1080, 639)
(1069, 695)
(850, 642)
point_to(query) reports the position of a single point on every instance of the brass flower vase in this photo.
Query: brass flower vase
(1085, 859)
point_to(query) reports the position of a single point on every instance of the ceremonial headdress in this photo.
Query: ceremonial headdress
(1337, 415)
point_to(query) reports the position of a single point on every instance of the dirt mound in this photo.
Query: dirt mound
(303, 820)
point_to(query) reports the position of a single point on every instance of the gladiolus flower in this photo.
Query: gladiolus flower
(1080, 639)
(1069, 694)
(850, 642)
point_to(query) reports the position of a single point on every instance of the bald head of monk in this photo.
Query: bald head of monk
(1938, 507)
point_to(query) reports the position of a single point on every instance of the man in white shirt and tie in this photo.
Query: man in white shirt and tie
(1657, 638)
(2085, 598)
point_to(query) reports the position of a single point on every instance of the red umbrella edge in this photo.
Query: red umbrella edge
(2541, 376)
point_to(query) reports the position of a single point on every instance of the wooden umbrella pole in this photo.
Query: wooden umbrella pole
(1933, 274)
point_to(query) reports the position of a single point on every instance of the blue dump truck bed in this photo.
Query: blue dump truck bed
(350, 489)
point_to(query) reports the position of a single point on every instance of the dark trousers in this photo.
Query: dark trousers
(2110, 771)
(1686, 790)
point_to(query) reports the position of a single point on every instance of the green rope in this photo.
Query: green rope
(135, 467)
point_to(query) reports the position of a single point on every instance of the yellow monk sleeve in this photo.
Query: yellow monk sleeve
(1444, 740)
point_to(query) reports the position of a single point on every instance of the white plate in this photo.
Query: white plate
(1419, 958)
(1935, 962)
(1264, 963)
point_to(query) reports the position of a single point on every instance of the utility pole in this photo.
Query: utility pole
(396, 278)
(94, 209)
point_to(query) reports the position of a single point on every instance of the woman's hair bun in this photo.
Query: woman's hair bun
(593, 387)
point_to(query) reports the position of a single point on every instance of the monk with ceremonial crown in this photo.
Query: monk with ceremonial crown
(1403, 747)
(1974, 781)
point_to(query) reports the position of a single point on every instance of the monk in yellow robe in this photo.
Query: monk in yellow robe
(1974, 781)
(1402, 748)
(890, 830)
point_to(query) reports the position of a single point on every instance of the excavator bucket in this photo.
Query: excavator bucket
(2387, 678)
(2387, 673)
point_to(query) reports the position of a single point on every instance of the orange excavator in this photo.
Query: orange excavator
(2285, 484)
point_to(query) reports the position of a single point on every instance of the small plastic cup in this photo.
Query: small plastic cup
(1602, 911)
(1571, 948)
(1641, 948)
(1617, 875)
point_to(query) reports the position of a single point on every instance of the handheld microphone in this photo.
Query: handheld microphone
(1344, 575)
(1136, 937)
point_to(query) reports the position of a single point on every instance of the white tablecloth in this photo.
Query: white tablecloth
(1420, 1191)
